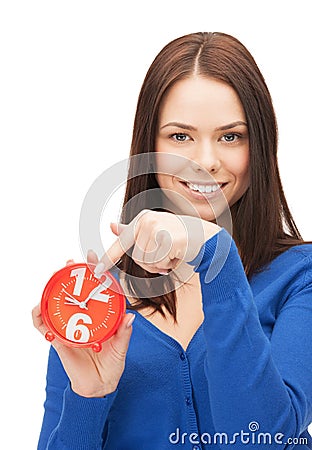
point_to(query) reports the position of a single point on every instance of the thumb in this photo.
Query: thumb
(121, 338)
(117, 228)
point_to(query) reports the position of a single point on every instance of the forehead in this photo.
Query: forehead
(201, 101)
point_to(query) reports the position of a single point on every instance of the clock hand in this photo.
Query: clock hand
(84, 302)
(72, 301)
(70, 295)
(103, 300)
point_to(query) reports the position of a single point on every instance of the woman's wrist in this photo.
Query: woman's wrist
(210, 229)
(99, 392)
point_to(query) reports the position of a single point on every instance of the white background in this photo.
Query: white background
(69, 80)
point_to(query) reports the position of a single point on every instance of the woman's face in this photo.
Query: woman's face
(202, 120)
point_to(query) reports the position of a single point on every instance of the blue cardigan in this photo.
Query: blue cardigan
(245, 380)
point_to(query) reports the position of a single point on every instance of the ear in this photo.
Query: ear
(117, 228)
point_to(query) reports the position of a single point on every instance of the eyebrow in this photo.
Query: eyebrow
(191, 128)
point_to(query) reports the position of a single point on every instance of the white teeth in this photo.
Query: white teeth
(204, 188)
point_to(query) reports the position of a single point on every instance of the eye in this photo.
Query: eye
(231, 137)
(179, 137)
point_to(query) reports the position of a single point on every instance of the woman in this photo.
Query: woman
(219, 352)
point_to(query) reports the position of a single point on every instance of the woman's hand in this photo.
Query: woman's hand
(93, 374)
(161, 240)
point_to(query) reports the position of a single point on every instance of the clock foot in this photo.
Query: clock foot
(97, 347)
(49, 336)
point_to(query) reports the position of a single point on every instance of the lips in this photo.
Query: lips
(204, 188)
(199, 191)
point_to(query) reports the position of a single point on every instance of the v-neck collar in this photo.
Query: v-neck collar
(162, 334)
(157, 331)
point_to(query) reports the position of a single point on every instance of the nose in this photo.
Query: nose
(205, 157)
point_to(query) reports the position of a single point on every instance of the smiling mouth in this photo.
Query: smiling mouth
(204, 189)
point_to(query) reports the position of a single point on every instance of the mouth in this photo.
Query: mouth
(201, 191)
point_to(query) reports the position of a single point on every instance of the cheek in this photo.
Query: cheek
(169, 164)
(162, 180)
(239, 167)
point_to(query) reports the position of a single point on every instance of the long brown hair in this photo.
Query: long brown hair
(263, 226)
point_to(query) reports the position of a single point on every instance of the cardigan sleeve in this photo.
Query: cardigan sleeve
(254, 383)
(71, 422)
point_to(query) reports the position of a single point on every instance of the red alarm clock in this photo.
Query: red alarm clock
(81, 310)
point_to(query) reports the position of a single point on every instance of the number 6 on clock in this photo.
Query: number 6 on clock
(78, 332)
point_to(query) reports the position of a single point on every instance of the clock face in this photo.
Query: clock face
(81, 310)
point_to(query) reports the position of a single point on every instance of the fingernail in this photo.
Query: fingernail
(131, 320)
(99, 270)
(163, 273)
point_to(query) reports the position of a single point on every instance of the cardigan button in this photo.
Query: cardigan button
(182, 356)
(188, 401)
(196, 447)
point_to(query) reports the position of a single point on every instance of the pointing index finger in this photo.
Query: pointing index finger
(125, 240)
(112, 255)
